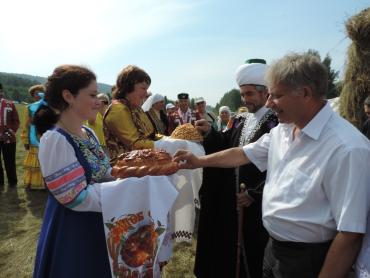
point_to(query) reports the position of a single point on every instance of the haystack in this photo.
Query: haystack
(356, 85)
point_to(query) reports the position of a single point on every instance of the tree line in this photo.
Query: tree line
(232, 98)
(16, 87)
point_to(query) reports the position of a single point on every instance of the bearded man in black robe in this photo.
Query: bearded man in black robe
(216, 254)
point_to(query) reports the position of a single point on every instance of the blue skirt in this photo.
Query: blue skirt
(71, 244)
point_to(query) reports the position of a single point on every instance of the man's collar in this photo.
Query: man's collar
(182, 113)
(260, 112)
(314, 128)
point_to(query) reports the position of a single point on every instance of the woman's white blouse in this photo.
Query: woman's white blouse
(64, 176)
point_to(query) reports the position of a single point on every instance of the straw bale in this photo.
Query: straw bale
(356, 85)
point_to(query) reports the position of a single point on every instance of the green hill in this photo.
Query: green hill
(16, 85)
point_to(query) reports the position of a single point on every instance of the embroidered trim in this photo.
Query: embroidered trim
(244, 141)
(62, 172)
(71, 194)
(182, 235)
(67, 183)
(245, 116)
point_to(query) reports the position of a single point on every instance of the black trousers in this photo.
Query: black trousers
(294, 259)
(8, 152)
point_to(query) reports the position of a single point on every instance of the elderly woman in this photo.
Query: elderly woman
(126, 126)
(154, 108)
(223, 118)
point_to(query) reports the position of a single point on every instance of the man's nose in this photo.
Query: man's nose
(244, 99)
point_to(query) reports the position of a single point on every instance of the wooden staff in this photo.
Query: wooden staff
(240, 210)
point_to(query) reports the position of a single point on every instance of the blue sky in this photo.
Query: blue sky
(185, 46)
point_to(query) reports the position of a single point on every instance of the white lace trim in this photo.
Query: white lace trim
(243, 140)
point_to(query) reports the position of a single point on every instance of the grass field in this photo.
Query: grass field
(21, 214)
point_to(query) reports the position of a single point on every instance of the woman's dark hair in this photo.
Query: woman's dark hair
(126, 80)
(66, 77)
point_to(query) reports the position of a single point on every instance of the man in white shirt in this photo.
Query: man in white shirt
(316, 196)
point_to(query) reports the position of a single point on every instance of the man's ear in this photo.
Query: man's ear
(307, 92)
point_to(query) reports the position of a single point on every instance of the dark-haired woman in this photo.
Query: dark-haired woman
(126, 126)
(72, 240)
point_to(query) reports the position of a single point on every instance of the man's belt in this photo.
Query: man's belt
(300, 245)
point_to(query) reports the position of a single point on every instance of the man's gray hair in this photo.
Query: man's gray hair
(297, 70)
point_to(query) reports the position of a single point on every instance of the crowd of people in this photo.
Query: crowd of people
(285, 190)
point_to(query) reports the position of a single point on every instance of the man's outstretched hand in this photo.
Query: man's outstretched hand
(187, 160)
(203, 126)
(229, 158)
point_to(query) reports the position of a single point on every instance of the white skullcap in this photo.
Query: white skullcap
(224, 109)
(251, 74)
(169, 106)
(150, 101)
(199, 99)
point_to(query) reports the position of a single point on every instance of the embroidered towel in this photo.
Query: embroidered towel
(136, 221)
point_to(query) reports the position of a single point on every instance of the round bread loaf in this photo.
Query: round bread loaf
(187, 132)
(145, 162)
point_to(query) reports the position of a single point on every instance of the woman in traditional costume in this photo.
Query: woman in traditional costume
(32, 178)
(72, 240)
(126, 126)
(154, 107)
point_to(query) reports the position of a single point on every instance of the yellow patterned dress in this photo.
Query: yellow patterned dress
(32, 178)
(97, 127)
(127, 128)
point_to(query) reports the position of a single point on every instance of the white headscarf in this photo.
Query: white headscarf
(251, 74)
(151, 100)
(224, 108)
